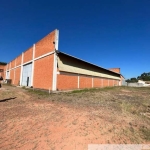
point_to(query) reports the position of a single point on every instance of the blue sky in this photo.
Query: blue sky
(109, 33)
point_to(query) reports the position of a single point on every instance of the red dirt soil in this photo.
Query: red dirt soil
(27, 123)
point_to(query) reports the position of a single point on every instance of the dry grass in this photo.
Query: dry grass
(72, 120)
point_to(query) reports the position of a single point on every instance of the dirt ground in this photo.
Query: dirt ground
(35, 120)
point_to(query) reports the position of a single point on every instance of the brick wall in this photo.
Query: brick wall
(45, 45)
(4, 75)
(105, 82)
(9, 65)
(85, 81)
(17, 76)
(97, 82)
(43, 73)
(67, 81)
(28, 55)
(12, 75)
(13, 64)
(111, 82)
(18, 60)
(116, 82)
(43, 69)
(117, 70)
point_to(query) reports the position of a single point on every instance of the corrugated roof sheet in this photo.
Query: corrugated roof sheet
(66, 65)
(87, 62)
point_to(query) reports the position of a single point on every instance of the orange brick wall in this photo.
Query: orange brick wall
(45, 45)
(9, 65)
(4, 75)
(28, 55)
(43, 72)
(13, 64)
(18, 60)
(116, 82)
(117, 70)
(111, 83)
(43, 69)
(5, 67)
(67, 81)
(97, 82)
(105, 82)
(12, 75)
(85, 82)
(17, 76)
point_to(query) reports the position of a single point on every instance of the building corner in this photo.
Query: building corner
(54, 82)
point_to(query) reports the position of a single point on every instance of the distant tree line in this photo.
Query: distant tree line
(144, 76)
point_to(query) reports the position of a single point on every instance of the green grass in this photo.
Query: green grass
(37, 92)
(6, 84)
(93, 89)
(146, 133)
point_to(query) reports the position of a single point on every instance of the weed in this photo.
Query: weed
(145, 132)
(93, 89)
(38, 92)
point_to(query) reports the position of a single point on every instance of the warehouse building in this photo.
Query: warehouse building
(43, 66)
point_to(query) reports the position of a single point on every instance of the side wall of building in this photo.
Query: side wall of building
(74, 73)
(67, 81)
(42, 66)
(41, 56)
(43, 72)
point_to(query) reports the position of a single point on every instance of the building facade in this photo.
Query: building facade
(43, 66)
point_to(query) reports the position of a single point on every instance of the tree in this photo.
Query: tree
(144, 76)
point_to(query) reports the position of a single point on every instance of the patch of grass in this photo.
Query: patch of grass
(132, 107)
(93, 89)
(38, 92)
(146, 133)
(82, 90)
(128, 107)
(6, 84)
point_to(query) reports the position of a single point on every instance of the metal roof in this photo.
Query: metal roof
(86, 62)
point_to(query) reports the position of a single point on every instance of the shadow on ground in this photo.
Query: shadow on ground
(7, 99)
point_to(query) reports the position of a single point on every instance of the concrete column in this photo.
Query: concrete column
(6, 71)
(33, 56)
(21, 69)
(14, 72)
(78, 81)
(54, 84)
(92, 82)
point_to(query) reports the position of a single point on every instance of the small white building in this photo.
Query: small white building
(143, 82)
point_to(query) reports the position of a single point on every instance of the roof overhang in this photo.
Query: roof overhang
(72, 64)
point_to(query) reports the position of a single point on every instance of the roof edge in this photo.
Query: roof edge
(86, 62)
